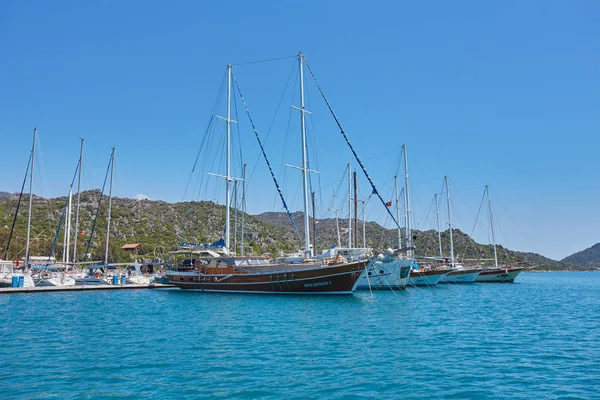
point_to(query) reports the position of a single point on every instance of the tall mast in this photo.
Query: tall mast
(487, 190)
(304, 167)
(349, 205)
(314, 214)
(449, 221)
(355, 210)
(77, 208)
(228, 178)
(364, 204)
(337, 223)
(398, 211)
(68, 227)
(437, 214)
(30, 198)
(403, 214)
(235, 213)
(243, 209)
(112, 170)
(64, 253)
(409, 242)
(307, 252)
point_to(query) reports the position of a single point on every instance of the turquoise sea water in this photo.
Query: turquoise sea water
(537, 338)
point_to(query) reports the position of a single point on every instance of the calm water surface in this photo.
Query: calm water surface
(537, 338)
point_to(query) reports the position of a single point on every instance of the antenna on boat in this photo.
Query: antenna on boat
(487, 190)
(30, 198)
(409, 242)
(449, 221)
(304, 168)
(77, 208)
(112, 170)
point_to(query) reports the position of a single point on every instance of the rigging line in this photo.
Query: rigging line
(60, 221)
(315, 146)
(395, 167)
(215, 106)
(265, 157)
(474, 226)
(263, 61)
(284, 153)
(466, 204)
(87, 250)
(375, 191)
(204, 141)
(17, 210)
(197, 157)
(273, 120)
(42, 169)
(239, 136)
(426, 220)
(379, 155)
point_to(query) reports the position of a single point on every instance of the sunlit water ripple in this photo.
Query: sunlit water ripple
(537, 338)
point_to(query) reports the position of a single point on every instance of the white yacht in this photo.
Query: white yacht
(383, 272)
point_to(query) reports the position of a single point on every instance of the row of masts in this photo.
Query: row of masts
(304, 168)
(67, 258)
(405, 195)
(308, 251)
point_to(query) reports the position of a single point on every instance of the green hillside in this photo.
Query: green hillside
(157, 226)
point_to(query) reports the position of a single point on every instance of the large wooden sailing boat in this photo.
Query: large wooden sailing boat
(217, 271)
(497, 273)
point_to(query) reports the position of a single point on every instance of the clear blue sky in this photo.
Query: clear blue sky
(500, 93)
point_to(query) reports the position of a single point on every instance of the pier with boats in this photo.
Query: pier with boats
(221, 267)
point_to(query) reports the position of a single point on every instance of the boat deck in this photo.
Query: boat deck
(80, 288)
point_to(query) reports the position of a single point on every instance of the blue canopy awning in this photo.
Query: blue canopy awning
(44, 267)
(102, 266)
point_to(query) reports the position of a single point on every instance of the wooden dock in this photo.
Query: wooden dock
(80, 288)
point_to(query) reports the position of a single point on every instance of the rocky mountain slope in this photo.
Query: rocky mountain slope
(159, 226)
(589, 257)
(426, 242)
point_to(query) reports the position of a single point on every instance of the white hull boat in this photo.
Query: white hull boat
(420, 277)
(385, 273)
(7, 281)
(460, 274)
(499, 274)
(55, 280)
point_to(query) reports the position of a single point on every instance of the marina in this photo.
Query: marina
(499, 341)
(216, 200)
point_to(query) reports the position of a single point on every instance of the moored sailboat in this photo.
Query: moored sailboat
(217, 271)
(98, 274)
(459, 273)
(497, 273)
(426, 274)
